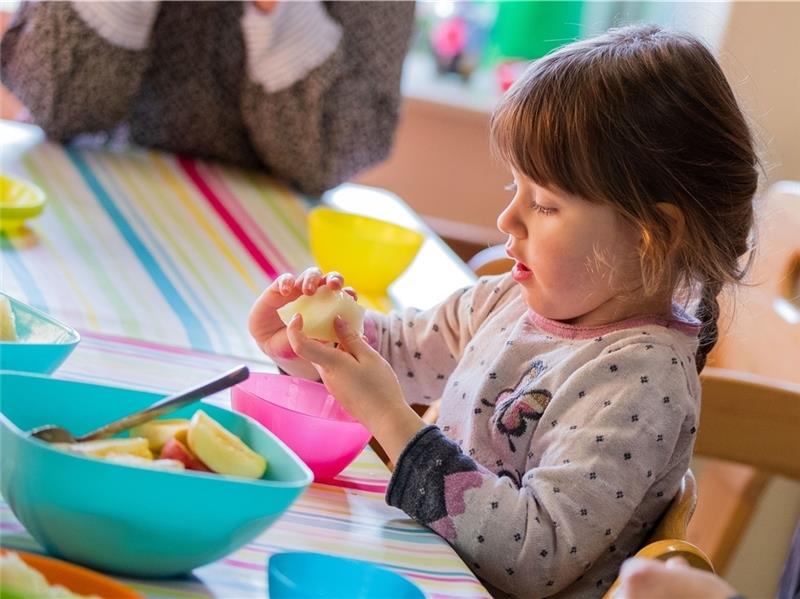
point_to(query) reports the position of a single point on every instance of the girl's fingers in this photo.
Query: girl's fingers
(351, 292)
(334, 280)
(309, 280)
(285, 283)
(313, 351)
(350, 340)
(262, 316)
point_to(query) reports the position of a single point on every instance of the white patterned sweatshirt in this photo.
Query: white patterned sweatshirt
(557, 448)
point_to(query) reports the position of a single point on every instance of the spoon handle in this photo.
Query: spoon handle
(170, 404)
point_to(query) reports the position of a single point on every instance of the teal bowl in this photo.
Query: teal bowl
(123, 519)
(305, 575)
(42, 343)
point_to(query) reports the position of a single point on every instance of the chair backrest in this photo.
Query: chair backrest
(751, 420)
(753, 423)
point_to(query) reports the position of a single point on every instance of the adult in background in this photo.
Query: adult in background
(309, 90)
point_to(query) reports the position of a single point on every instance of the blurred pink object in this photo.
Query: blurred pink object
(508, 72)
(449, 37)
(302, 414)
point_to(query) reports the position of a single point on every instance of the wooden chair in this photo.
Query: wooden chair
(760, 334)
(746, 419)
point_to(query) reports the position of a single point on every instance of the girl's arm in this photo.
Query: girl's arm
(77, 66)
(533, 533)
(323, 89)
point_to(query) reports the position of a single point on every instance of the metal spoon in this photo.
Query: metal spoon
(56, 434)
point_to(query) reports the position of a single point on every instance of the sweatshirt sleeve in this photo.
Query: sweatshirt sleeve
(77, 66)
(612, 448)
(322, 94)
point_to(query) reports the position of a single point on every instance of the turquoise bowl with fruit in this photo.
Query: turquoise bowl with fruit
(30, 340)
(125, 519)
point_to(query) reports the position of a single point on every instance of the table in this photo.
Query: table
(156, 260)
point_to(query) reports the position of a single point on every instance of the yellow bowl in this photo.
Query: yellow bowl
(370, 253)
(19, 200)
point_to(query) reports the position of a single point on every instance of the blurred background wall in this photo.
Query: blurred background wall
(441, 163)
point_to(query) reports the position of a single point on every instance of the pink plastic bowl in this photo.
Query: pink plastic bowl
(306, 417)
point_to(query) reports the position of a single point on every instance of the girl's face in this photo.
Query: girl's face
(576, 261)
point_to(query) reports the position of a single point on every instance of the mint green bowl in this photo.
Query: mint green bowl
(123, 519)
(42, 343)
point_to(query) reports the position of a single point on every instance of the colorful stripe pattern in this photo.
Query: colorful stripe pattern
(338, 520)
(149, 246)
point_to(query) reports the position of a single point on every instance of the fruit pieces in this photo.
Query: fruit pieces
(159, 432)
(8, 329)
(200, 444)
(320, 309)
(18, 579)
(133, 460)
(134, 446)
(222, 451)
(176, 450)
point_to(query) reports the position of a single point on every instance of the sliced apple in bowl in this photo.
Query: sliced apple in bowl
(159, 432)
(222, 451)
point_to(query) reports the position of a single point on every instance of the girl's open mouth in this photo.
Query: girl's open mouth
(521, 272)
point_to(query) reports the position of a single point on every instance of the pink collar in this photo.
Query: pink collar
(680, 321)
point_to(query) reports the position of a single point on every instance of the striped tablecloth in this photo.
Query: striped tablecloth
(156, 260)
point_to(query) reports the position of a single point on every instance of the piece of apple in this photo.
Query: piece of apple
(158, 432)
(134, 460)
(221, 450)
(320, 309)
(8, 330)
(136, 446)
(175, 450)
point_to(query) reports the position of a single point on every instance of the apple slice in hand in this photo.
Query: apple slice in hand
(320, 309)
(221, 450)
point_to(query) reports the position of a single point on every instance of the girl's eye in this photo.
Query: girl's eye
(542, 209)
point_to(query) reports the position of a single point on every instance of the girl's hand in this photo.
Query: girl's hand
(653, 579)
(362, 381)
(268, 329)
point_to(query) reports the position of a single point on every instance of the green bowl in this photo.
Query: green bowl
(42, 342)
(123, 519)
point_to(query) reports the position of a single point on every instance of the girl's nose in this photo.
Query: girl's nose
(509, 223)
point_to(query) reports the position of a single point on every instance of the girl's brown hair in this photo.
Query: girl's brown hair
(636, 117)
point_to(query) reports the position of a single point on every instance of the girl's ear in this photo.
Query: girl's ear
(676, 223)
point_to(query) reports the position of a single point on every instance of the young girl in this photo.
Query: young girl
(570, 391)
